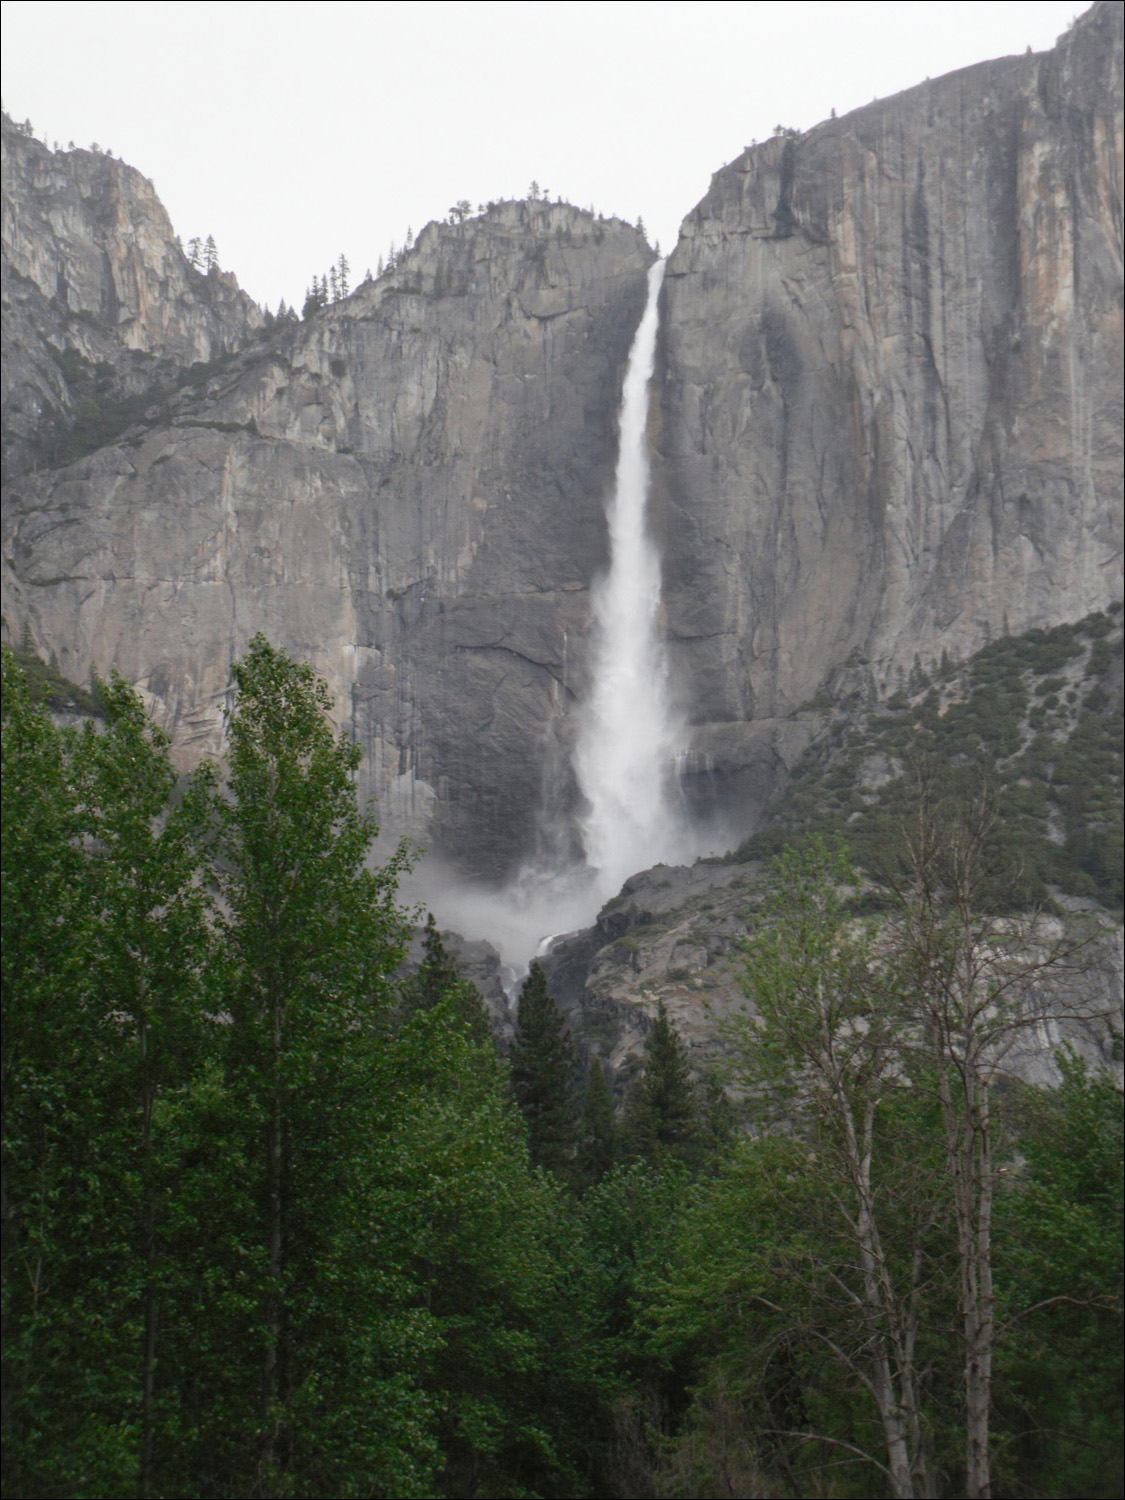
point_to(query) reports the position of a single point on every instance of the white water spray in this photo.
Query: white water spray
(629, 741)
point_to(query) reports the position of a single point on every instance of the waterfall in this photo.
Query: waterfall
(628, 741)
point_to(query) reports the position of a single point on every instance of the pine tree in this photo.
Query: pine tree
(195, 252)
(661, 1111)
(598, 1129)
(342, 270)
(210, 255)
(544, 1067)
(438, 979)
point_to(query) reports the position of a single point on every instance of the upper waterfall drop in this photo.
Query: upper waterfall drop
(627, 746)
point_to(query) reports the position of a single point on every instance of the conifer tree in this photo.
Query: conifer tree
(210, 255)
(661, 1109)
(439, 979)
(598, 1129)
(544, 1066)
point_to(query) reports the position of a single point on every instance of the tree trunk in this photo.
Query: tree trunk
(879, 1300)
(978, 1362)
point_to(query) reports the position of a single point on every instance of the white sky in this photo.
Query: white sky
(292, 131)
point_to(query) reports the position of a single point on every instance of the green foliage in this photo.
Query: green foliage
(1056, 766)
(1059, 1282)
(266, 1231)
(438, 980)
(47, 685)
(105, 959)
(271, 1220)
(597, 1148)
(544, 1070)
(661, 1108)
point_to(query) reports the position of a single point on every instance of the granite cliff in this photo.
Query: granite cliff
(93, 275)
(407, 489)
(888, 423)
(891, 420)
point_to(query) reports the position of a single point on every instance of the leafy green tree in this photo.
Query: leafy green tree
(1059, 1263)
(823, 1047)
(312, 937)
(972, 989)
(104, 996)
(883, 1047)
(544, 1068)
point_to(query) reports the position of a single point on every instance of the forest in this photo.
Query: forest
(280, 1219)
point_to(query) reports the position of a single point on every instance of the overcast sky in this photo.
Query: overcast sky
(294, 131)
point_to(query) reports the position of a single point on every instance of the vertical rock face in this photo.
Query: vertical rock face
(94, 280)
(407, 490)
(891, 412)
(90, 233)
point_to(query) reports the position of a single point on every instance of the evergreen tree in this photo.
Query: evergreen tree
(343, 270)
(598, 1131)
(104, 960)
(210, 255)
(315, 298)
(195, 252)
(544, 1067)
(438, 981)
(661, 1110)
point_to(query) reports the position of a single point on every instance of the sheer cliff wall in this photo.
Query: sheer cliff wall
(891, 411)
(408, 490)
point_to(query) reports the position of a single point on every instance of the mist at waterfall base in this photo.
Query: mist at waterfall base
(630, 739)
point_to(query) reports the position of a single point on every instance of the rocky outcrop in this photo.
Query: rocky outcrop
(406, 490)
(94, 279)
(890, 415)
(91, 234)
(675, 935)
